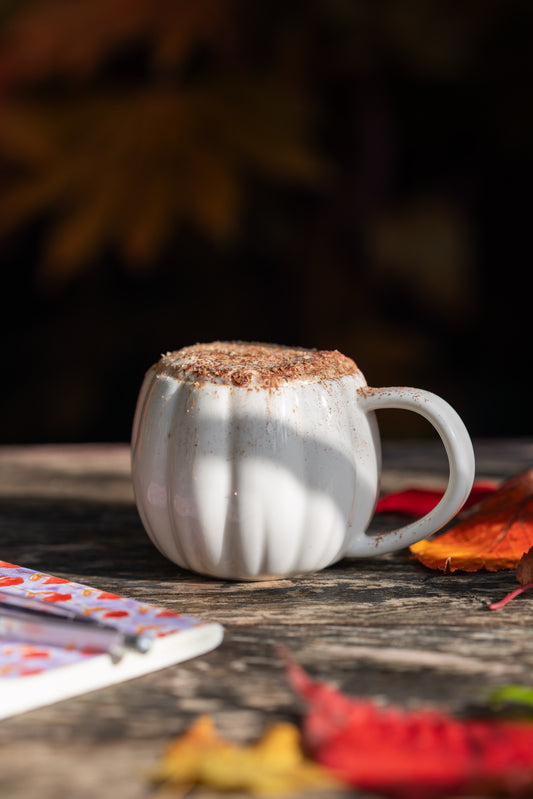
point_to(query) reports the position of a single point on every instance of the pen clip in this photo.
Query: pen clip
(41, 607)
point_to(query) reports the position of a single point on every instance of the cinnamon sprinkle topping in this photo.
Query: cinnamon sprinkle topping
(240, 363)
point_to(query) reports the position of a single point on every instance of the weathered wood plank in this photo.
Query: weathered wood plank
(386, 628)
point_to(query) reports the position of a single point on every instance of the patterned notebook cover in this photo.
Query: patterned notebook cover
(32, 676)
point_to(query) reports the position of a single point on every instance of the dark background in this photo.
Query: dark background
(341, 175)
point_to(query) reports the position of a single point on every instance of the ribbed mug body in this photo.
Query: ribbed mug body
(245, 482)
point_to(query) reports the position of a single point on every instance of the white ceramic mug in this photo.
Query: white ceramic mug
(253, 461)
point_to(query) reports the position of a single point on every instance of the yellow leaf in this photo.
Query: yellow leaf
(25, 137)
(148, 229)
(263, 125)
(180, 27)
(275, 764)
(213, 193)
(75, 238)
(125, 169)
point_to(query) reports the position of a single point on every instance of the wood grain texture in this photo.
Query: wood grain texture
(386, 628)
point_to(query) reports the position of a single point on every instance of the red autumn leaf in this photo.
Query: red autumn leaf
(493, 537)
(424, 754)
(524, 575)
(419, 501)
(524, 570)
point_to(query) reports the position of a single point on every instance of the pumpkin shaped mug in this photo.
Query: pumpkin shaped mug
(251, 460)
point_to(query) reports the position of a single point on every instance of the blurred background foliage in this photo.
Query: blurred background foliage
(344, 174)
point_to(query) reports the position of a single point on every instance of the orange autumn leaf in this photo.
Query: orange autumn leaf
(493, 538)
(275, 764)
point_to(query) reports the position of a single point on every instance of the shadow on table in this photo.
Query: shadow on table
(80, 537)
(84, 539)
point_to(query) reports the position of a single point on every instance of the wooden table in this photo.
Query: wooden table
(385, 628)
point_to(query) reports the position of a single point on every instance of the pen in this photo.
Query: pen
(33, 621)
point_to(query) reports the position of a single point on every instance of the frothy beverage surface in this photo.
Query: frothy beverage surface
(249, 364)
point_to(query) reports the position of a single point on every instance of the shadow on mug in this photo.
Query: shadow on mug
(254, 496)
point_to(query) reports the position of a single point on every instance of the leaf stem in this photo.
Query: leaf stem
(511, 595)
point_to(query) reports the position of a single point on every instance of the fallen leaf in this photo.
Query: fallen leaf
(419, 501)
(515, 697)
(276, 764)
(524, 570)
(524, 575)
(424, 754)
(494, 537)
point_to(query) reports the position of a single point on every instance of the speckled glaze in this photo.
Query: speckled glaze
(241, 482)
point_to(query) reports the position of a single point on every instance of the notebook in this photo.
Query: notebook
(32, 676)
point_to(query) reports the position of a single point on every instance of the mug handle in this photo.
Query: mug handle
(461, 461)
